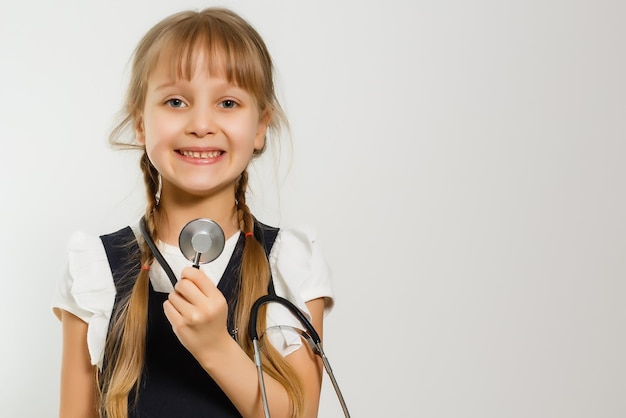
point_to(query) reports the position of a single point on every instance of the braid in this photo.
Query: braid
(151, 179)
(125, 346)
(254, 268)
(246, 221)
(254, 282)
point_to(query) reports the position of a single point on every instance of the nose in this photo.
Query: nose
(201, 121)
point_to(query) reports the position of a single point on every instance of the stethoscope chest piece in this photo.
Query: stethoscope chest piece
(201, 241)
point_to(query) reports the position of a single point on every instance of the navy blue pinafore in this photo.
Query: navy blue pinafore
(173, 384)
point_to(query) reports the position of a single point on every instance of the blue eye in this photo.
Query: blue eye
(228, 104)
(176, 103)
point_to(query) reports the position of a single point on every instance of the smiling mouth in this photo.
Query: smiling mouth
(200, 154)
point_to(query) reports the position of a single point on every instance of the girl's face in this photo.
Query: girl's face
(199, 134)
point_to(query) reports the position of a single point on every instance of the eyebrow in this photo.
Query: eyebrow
(167, 84)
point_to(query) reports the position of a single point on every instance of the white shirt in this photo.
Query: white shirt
(299, 271)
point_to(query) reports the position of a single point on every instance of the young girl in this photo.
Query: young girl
(200, 102)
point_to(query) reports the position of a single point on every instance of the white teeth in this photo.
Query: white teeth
(203, 154)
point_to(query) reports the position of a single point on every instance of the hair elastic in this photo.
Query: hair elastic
(145, 267)
(249, 234)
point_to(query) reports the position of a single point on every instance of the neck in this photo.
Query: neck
(176, 210)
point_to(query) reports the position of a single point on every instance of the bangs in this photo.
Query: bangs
(226, 53)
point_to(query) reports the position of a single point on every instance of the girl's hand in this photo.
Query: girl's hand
(198, 313)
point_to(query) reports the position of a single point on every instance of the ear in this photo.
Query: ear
(261, 131)
(140, 134)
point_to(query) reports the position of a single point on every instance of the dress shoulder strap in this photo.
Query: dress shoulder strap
(266, 235)
(124, 258)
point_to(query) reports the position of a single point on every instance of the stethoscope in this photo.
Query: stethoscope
(202, 241)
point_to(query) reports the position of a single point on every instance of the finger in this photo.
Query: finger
(194, 297)
(192, 303)
(181, 304)
(200, 279)
(172, 314)
(189, 290)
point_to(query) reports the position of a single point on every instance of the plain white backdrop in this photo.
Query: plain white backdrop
(462, 161)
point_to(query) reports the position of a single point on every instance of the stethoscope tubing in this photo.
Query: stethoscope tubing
(312, 334)
(155, 251)
(315, 339)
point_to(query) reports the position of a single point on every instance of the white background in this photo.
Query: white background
(462, 162)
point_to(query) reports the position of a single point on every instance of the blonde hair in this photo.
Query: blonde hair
(236, 52)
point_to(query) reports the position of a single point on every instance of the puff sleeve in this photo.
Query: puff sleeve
(87, 290)
(300, 273)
